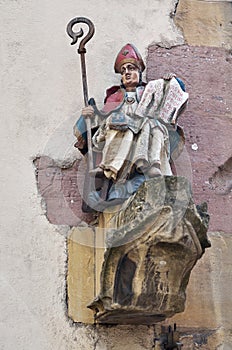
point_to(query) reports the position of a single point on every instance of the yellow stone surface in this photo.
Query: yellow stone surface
(205, 22)
(99, 251)
(85, 256)
(86, 247)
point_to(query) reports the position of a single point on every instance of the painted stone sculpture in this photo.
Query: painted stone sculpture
(156, 234)
(136, 132)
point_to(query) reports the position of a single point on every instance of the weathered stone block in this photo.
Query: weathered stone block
(205, 22)
(158, 237)
(85, 257)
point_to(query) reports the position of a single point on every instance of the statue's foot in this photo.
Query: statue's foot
(154, 171)
(97, 172)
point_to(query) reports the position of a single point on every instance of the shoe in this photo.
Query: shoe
(154, 172)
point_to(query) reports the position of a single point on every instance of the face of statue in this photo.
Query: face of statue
(130, 76)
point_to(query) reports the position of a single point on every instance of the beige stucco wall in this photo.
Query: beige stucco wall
(41, 96)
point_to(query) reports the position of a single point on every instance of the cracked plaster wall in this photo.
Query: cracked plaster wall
(41, 97)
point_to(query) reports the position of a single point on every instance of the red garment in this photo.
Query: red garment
(115, 97)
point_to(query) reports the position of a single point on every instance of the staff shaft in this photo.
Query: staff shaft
(84, 79)
(88, 121)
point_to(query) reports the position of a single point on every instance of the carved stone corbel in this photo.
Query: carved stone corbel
(158, 236)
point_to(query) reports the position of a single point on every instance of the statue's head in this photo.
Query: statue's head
(130, 65)
(129, 54)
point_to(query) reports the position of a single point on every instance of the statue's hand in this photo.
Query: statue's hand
(101, 136)
(169, 76)
(87, 112)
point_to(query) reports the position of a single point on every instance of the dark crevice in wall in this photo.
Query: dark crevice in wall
(173, 12)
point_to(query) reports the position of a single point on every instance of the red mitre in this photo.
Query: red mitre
(129, 54)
